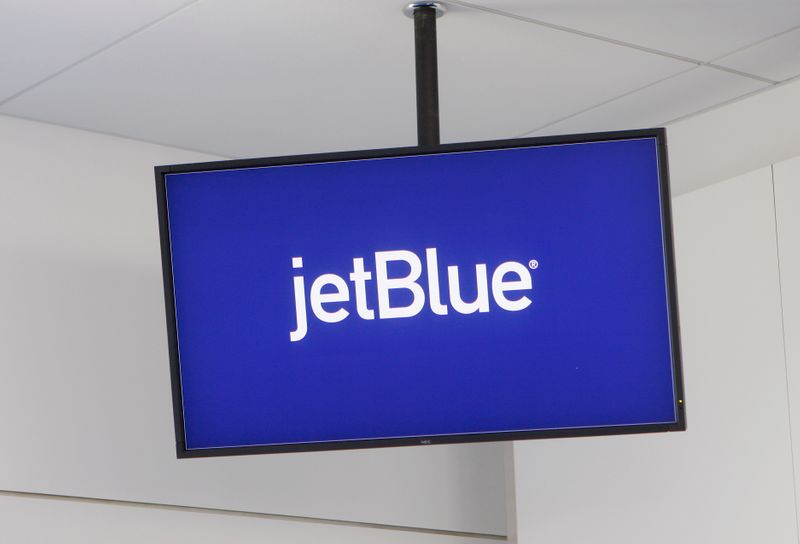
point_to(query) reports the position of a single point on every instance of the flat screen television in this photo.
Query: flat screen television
(498, 290)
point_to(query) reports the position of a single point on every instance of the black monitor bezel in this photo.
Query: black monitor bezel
(669, 259)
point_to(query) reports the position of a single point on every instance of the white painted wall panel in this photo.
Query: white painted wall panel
(33, 520)
(729, 477)
(85, 403)
(787, 207)
(719, 144)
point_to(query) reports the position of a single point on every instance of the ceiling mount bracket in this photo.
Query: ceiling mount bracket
(425, 15)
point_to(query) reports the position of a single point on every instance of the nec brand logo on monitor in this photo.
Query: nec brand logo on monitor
(509, 283)
(473, 292)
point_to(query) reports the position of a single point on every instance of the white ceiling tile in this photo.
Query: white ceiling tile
(658, 104)
(775, 59)
(40, 37)
(248, 78)
(499, 76)
(698, 29)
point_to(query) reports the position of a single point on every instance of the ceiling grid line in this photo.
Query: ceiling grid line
(613, 41)
(216, 155)
(756, 43)
(605, 102)
(739, 73)
(677, 119)
(644, 81)
(698, 63)
(733, 100)
(97, 52)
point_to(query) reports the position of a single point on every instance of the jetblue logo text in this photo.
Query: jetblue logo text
(509, 277)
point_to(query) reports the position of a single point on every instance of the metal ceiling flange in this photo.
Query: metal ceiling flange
(440, 8)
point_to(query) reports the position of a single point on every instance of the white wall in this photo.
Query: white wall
(35, 520)
(84, 382)
(84, 388)
(748, 133)
(787, 207)
(730, 477)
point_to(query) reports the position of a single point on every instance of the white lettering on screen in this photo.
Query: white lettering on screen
(327, 304)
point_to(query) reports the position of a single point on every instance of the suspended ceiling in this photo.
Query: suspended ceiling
(257, 78)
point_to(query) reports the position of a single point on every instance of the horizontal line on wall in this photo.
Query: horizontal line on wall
(242, 513)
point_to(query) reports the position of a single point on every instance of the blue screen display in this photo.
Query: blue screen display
(470, 292)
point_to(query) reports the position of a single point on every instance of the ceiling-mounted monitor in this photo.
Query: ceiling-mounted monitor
(498, 290)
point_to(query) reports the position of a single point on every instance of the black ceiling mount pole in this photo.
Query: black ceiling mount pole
(425, 15)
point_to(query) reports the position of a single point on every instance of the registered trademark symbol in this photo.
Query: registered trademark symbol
(533, 264)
